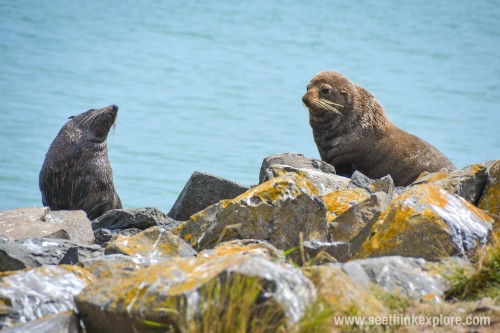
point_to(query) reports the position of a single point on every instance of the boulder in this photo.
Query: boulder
(412, 277)
(42, 222)
(428, 222)
(103, 236)
(32, 294)
(192, 291)
(137, 218)
(490, 199)
(297, 161)
(250, 247)
(468, 182)
(325, 182)
(342, 294)
(355, 224)
(116, 265)
(155, 242)
(320, 174)
(338, 202)
(384, 184)
(203, 190)
(35, 252)
(63, 322)
(320, 252)
(277, 211)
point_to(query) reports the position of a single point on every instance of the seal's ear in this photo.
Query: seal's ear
(72, 117)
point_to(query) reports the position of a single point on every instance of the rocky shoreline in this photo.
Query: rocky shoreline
(300, 249)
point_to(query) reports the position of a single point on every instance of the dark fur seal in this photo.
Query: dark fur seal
(352, 132)
(76, 173)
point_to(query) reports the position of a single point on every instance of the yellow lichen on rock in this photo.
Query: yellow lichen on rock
(426, 221)
(337, 202)
(154, 241)
(286, 185)
(250, 247)
(342, 294)
(490, 200)
(276, 211)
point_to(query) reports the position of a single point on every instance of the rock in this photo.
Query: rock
(276, 211)
(138, 218)
(105, 235)
(490, 199)
(251, 247)
(34, 252)
(321, 252)
(29, 295)
(468, 182)
(297, 161)
(337, 202)
(426, 221)
(203, 190)
(63, 322)
(185, 291)
(412, 277)
(384, 184)
(116, 265)
(42, 222)
(325, 182)
(320, 174)
(153, 242)
(343, 295)
(355, 224)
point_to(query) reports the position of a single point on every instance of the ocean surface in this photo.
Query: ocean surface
(216, 86)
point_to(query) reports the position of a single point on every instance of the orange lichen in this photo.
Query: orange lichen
(337, 202)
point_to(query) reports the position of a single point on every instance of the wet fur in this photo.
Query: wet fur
(76, 173)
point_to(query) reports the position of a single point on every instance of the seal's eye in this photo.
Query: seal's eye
(324, 91)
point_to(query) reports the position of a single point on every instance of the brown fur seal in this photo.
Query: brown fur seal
(352, 132)
(76, 173)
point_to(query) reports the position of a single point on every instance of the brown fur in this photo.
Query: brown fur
(76, 173)
(352, 132)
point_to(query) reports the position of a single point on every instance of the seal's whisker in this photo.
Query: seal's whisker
(331, 103)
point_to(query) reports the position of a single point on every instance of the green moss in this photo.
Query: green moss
(483, 281)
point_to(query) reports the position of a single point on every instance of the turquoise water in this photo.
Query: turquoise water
(216, 85)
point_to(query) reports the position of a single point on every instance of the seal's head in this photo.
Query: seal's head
(94, 125)
(331, 97)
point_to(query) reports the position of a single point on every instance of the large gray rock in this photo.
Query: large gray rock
(355, 224)
(277, 211)
(326, 251)
(29, 295)
(105, 235)
(325, 182)
(384, 184)
(490, 199)
(42, 222)
(139, 218)
(319, 173)
(155, 242)
(428, 222)
(468, 182)
(35, 252)
(297, 161)
(116, 265)
(176, 291)
(413, 277)
(64, 322)
(203, 190)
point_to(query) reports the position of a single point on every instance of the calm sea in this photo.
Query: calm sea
(216, 86)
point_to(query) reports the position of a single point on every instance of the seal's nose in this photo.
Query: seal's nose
(114, 108)
(305, 99)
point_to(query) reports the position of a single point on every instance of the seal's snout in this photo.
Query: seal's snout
(113, 108)
(306, 99)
